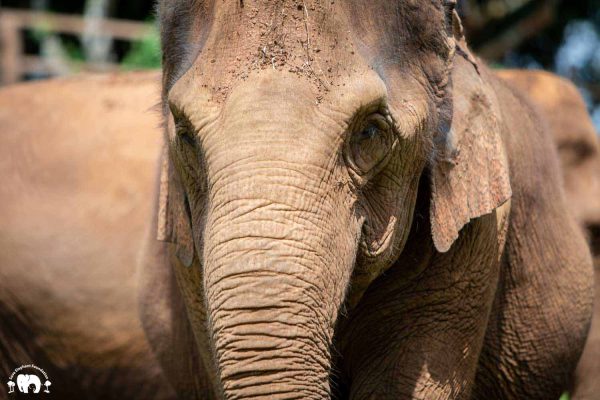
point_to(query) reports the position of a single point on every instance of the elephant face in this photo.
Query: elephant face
(25, 382)
(579, 152)
(561, 105)
(297, 135)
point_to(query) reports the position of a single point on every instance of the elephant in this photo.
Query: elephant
(77, 159)
(351, 205)
(25, 381)
(562, 106)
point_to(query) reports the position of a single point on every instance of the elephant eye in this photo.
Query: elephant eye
(186, 147)
(370, 145)
(185, 132)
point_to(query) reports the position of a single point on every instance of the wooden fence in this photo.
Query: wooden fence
(14, 63)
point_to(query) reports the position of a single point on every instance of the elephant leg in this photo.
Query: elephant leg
(418, 331)
(35, 381)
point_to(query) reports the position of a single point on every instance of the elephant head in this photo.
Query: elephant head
(298, 136)
(25, 381)
(562, 106)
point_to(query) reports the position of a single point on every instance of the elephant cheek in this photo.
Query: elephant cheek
(383, 238)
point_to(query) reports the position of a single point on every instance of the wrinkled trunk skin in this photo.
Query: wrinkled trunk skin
(280, 238)
(273, 289)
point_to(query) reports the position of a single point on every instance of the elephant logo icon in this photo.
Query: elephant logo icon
(28, 380)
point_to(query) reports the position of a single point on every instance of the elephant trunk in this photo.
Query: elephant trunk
(277, 260)
(267, 345)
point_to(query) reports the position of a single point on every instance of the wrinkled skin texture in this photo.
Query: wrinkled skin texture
(562, 107)
(77, 162)
(433, 259)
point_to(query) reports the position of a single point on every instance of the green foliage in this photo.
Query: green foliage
(565, 396)
(144, 54)
(74, 52)
(39, 33)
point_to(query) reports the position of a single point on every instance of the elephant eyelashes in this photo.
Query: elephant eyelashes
(370, 145)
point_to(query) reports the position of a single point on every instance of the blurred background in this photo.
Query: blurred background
(44, 38)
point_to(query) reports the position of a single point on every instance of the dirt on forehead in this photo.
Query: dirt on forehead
(309, 38)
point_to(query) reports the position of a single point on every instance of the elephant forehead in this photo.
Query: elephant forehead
(324, 42)
(311, 46)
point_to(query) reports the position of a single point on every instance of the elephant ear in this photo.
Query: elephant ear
(470, 176)
(469, 170)
(174, 219)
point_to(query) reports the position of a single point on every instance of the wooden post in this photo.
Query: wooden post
(11, 50)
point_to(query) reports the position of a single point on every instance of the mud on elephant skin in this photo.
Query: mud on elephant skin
(561, 105)
(357, 209)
